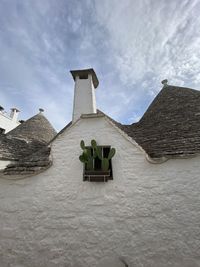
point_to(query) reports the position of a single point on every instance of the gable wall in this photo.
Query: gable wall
(149, 213)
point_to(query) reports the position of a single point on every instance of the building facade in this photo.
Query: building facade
(145, 214)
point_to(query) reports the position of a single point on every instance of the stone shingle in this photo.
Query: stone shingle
(36, 128)
(27, 146)
(32, 164)
(171, 125)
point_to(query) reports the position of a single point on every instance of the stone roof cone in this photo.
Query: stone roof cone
(36, 128)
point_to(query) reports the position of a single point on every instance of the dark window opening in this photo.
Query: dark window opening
(83, 76)
(2, 131)
(106, 151)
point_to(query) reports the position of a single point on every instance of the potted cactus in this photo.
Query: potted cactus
(88, 158)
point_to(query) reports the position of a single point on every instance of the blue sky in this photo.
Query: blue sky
(131, 44)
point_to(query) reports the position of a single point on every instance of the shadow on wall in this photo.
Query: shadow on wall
(113, 262)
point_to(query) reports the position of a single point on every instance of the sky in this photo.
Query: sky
(132, 45)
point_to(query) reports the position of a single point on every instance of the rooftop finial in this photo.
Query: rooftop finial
(164, 82)
(41, 110)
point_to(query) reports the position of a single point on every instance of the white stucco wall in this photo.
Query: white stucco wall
(8, 123)
(149, 214)
(84, 97)
(4, 163)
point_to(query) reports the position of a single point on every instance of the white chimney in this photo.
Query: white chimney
(84, 94)
(14, 114)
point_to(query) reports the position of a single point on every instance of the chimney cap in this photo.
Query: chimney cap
(85, 72)
(15, 109)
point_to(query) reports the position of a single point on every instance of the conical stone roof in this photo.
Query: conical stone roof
(171, 125)
(36, 128)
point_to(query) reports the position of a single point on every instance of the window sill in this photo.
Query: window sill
(97, 176)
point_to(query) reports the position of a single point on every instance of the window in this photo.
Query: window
(2, 131)
(94, 172)
(97, 164)
(83, 76)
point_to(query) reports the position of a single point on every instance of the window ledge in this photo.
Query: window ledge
(97, 176)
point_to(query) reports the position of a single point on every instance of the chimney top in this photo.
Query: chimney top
(15, 109)
(84, 73)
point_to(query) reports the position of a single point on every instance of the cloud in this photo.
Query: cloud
(151, 41)
(40, 42)
(156, 37)
(33, 62)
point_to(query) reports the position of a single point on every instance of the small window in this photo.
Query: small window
(2, 131)
(83, 76)
(98, 174)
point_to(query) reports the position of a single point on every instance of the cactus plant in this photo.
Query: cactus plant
(88, 158)
(93, 143)
(104, 160)
(82, 144)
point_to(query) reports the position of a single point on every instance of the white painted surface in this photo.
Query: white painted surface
(149, 214)
(84, 97)
(8, 123)
(111, 262)
(14, 114)
(4, 163)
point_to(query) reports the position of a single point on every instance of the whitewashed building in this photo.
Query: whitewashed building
(144, 211)
(8, 121)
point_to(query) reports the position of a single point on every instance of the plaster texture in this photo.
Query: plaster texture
(149, 214)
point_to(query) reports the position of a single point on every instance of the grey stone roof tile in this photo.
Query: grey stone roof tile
(32, 164)
(27, 146)
(171, 125)
(36, 128)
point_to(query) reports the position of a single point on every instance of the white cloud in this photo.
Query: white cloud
(157, 37)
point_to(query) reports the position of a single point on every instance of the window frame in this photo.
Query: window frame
(98, 175)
